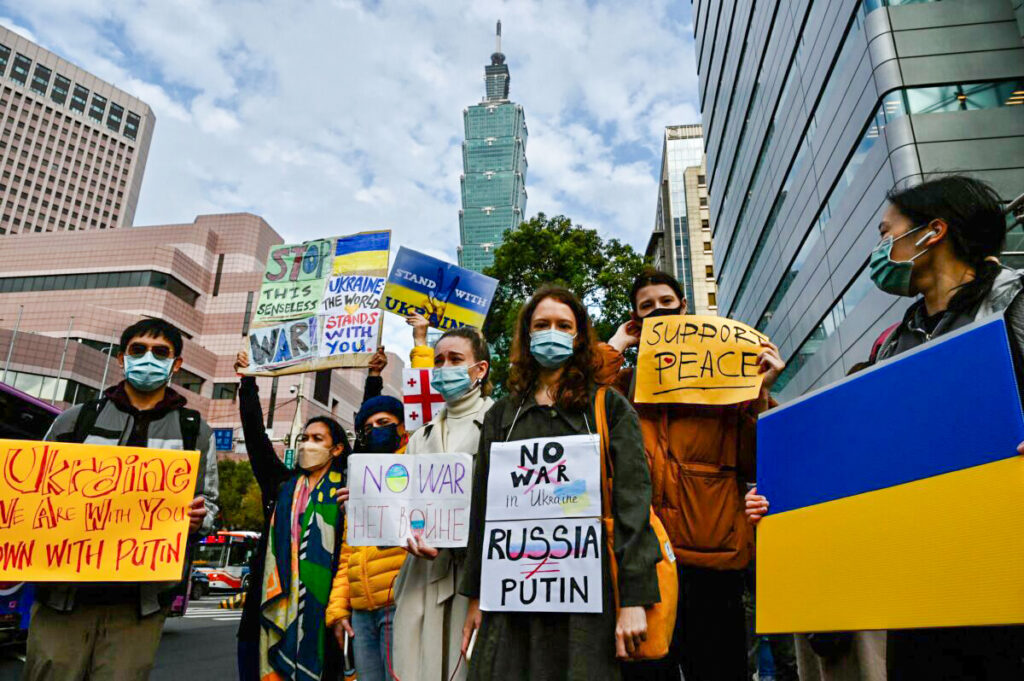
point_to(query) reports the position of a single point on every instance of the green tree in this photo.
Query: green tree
(238, 489)
(553, 250)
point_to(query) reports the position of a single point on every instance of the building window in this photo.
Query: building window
(220, 271)
(712, 302)
(131, 125)
(322, 387)
(709, 271)
(704, 225)
(78, 99)
(187, 380)
(21, 66)
(701, 180)
(65, 282)
(703, 202)
(40, 79)
(59, 91)
(5, 56)
(225, 391)
(115, 117)
(707, 246)
(99, 105)
(248, 314)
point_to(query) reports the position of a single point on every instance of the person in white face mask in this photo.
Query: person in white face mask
(283, 626)
(427, 630)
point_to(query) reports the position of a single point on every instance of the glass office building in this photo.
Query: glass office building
(681, 241)
(812, 111)
(494, 168)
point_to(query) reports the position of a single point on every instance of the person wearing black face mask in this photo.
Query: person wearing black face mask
(362, 604)
(700, 458)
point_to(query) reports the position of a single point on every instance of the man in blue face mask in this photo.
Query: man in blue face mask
(113, 629)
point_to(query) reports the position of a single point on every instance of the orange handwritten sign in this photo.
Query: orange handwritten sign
(86, 513)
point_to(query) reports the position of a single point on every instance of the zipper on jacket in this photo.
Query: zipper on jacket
(366, 579)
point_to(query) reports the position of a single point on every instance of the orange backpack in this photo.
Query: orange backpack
(661, 617)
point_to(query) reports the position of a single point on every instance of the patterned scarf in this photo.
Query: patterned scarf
(297, 580)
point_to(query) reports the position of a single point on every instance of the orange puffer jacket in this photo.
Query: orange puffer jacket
(701, 459)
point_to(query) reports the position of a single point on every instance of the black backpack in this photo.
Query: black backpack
(90, 411)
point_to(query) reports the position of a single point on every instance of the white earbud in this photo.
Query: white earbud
(927, 236)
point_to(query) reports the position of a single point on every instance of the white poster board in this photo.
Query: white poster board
(551, 565)
(554, 477)
(542, 536)
(397, 496)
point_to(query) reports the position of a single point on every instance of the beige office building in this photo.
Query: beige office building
(681, 241)
(84, 288)
(73, 148)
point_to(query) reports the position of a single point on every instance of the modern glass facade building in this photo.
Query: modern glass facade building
(812, 110)
(681, 241)
(73, 148)
(494, 168)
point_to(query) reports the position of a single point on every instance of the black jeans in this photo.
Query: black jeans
(976, 653)
(709, 643)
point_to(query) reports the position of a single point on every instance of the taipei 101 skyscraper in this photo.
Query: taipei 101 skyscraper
(494, 167)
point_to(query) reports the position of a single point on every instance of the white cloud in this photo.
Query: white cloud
(12, 25)
(334, 115)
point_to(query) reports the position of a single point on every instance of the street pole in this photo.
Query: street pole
(63, 355)
(106, 365)
(293, 435)
(273, 403)
(14, 336)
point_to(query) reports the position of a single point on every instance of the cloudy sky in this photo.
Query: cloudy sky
(325, 116)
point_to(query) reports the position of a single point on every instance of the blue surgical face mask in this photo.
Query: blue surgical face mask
(551, 348)
(451, 382)
(893, 276)
(147, 373)
(382, 440)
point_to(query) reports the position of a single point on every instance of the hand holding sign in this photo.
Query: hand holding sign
(695, 359)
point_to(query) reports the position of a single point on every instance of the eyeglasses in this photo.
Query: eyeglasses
(138, 350)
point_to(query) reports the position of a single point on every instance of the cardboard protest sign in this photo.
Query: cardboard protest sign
(449, 296)
(319, 305)
(293, 282)
(421, 401)
(398, 496)
(81, 513)
(542, 531)
(545, 478)
(549, 565)
(909, 526)
(697, 359)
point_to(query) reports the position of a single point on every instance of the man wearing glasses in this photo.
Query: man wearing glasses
(112, 630)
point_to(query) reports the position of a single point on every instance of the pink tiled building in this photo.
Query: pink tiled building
(73, 148)
(203, 277)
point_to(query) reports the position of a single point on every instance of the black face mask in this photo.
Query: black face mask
(664, 312)
(381, 440)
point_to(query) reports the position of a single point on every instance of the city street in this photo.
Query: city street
(196, 647)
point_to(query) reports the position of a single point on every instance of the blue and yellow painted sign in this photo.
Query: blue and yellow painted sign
(449, 296)
(895, 495)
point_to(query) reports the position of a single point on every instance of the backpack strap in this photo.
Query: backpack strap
(189, 423)
(880, 341)
(87, 415)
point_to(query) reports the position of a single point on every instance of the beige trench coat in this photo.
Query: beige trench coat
(430, 614)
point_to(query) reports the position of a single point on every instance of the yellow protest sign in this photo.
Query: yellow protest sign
(86, 513)
(697, 359)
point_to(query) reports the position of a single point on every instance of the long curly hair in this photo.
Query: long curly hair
(573, 391)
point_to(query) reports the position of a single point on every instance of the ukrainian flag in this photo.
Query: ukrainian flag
(895, 495)
(362, 252)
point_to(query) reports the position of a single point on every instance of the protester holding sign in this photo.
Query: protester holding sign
(701, 457)
(302, 497)
(429, 610)
(362, 603)
(941, 240)
(78, 630)
(551, 398)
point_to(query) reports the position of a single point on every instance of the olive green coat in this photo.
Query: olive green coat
(556, 646)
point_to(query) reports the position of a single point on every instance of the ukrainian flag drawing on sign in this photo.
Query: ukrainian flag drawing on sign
(362, 252)
(895, 495)
(449, 296)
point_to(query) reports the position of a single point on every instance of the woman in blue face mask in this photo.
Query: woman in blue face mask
(940, 242)
(552, 394)
(429, 611)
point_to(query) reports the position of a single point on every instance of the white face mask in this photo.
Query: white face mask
(312, 456)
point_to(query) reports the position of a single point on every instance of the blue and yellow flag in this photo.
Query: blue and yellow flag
(895, 495)
(362, 252)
